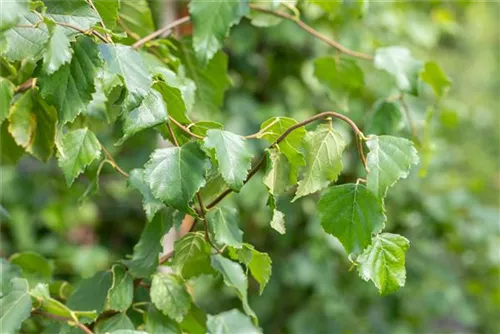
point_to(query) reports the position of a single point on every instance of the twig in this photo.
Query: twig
(359, 135)
(164, 258)
(185, 129)
(127, 29)
(205, 222)
(85, 32)
(25, 86)
(64, 319)
(91, 3)
(113, 162)
(172, 134)
(314, 32)
(160, 32)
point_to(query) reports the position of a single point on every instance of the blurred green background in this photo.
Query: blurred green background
(448, 208)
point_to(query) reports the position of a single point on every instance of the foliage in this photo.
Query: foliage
(88, 87)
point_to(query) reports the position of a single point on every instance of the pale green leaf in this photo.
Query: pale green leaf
(234, 277)
(223, 222)
(151, 112)
(401, 65)
(15, 306)
(351, 213)
(157, 322)
(122, 290)
(273, 128)
(231, 322)
(434, 75)
(146, 254)
(386, 118)
(192, 255)
(116, 322)
(278, 221)
(34, 267)
(6, 94)
(342, 74)
(58, 50)
(33, 125)
(259, 263)
(324, 148)
(212, 21)
(211, 81)
(137, 17)
(91, 293)
(170, 296)
(389, 160)
(78, 149)
(232, 154)
(108, 11)
(8, 271)
(70, 88)
(174, 100)
(127, 63)
(25, 42)
(75, 12)
(277, 178)
(11, 12)
(175, 174)
(150, 204)
(383, 262)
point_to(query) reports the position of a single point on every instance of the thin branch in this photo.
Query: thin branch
(85, 32)
(91, 4)
(185, 129)
(64, 319)
(314, 32)
(176, 143)
(164, 258)
(359, 135)
(205, 222)
(160, 31)
(25, 85)
(113, 162)
(127, 29)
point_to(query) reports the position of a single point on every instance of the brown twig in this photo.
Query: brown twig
(172, 134)
(160, 32)
(24, 86)
(113, 162)
(185, 129)
(314, 32)
(64, 319)
(85, 32)
(357, 132)
(205, 222)
(164, 258)
(91, 4)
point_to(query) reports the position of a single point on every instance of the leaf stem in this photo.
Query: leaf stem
(160, 32)
(205, 222)
(174, 138)
(64, 319)
(185, 129)
(113, 163)
(314, 32)
(91, 4)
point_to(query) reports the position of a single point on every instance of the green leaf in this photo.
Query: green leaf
(146, 252)
(121, 294)
(231, 322)
(116, 322)
(34, 267)
(234, 159)
(223, 223)
(195, 321)
(15, 306)
(91, 293)
(70, 88)
(151, 112)
(175, 103)
(78, 149)
(212, 21)
(211, 81)
(234, 277)
(137, 17)
(75, 12)
(278, 221)
(33, 125)
(259, 263)
(157, 322)
(10, 152)
(351, 213)
(339, 73)
(175, 174)
(389, 160)
(386, 118)
(22, 42)
(6, 94)
(192, 255)
(11, 12)
(401, 65)
(127, 63)
(201, 128)
(170, 296)
(150, 204)
(8, 271)
(434, 75)
(277, 178)
(273, 128)
(108, 11)
(128, 331)
(383, 262)
(324, 148)
(58, 50)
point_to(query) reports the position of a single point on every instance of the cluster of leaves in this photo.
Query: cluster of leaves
(71, 65)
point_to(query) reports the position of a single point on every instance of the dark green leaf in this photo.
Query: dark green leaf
(34, 267)
(15, 306)
(10, 152)
(383, 262)
(170, 296)
(75, 12)
(70, 88)
(212, 21)
(434, 75)
(231, 322)
(351, 213)
(6, 93)
(122, 290)
(339, 73)
(136, 16)
(116, 322)
(385, 119)
(150, 204)
(175, 174)
(157, 322)
(78, 149)
(175, 103)
(223, 223)
(192, 255)
(108, 10)
(91, 293)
